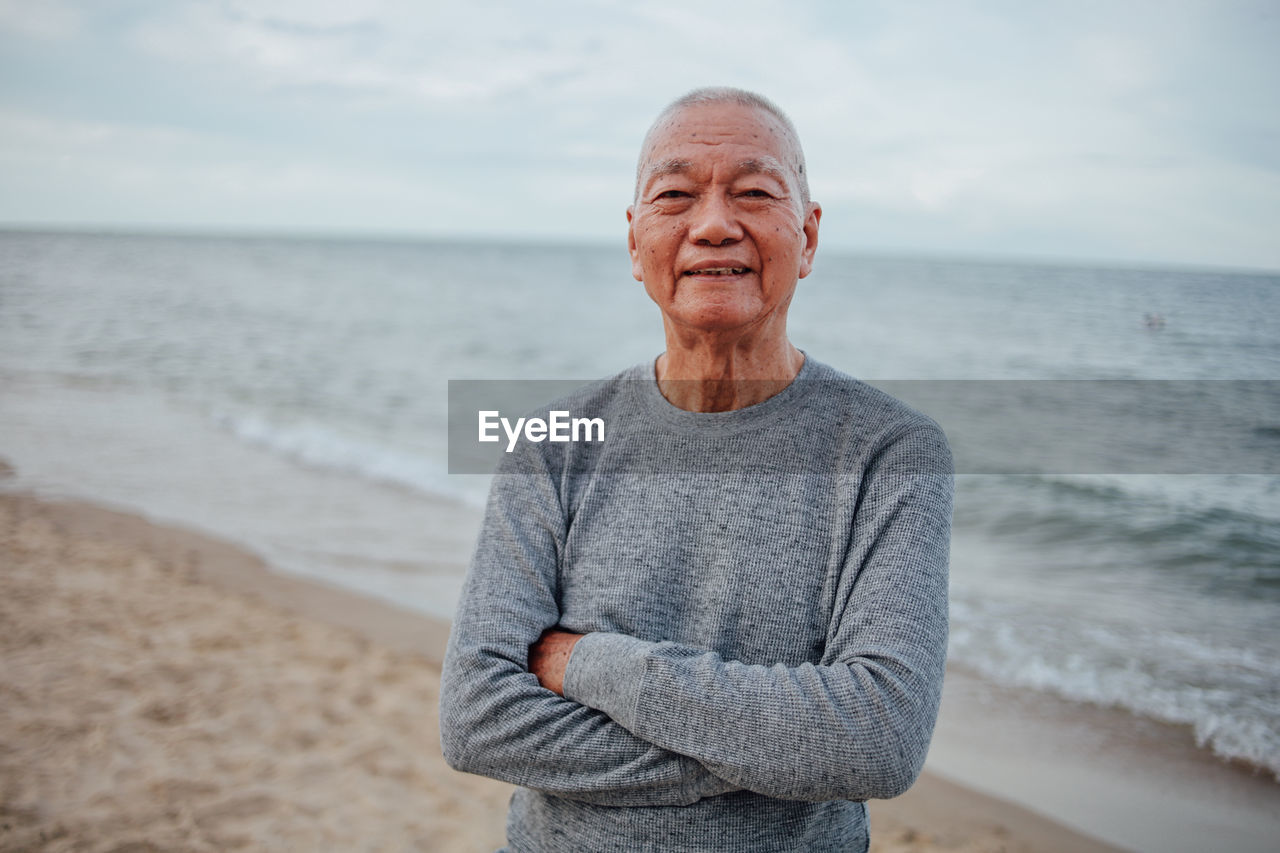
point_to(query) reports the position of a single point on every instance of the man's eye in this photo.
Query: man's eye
(757, 194)
(673, 194)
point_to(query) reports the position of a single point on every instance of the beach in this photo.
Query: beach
(210, 439)
(165, 690)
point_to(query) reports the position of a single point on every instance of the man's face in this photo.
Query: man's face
(718, 233)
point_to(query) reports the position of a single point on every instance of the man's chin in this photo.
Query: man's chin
(718, 322)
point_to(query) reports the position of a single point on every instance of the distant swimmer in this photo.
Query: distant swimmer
(1153, 321)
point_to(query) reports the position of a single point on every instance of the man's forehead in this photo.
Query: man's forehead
(762, 164)
(712, 124)
(687, 135)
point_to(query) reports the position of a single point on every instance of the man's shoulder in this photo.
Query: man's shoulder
(862, 405)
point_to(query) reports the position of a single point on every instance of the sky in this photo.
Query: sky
(1144, 132)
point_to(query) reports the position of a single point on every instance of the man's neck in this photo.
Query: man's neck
(706, 377)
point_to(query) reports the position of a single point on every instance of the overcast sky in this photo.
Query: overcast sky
(1140, 131)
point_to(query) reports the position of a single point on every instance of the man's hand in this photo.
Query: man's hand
(549, 656)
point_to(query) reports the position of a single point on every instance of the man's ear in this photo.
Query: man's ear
(637, 271)
(810, 238)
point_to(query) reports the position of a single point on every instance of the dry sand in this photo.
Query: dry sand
(161, 690)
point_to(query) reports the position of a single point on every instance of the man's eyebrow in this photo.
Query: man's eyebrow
(764, 166)
(667, 167)
(752, 166)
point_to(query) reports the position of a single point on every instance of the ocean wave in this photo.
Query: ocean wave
(1221, 534)
(1225, 694)
(326, 449)
(1249, 497)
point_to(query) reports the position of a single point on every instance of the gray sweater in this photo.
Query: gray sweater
(764, 593)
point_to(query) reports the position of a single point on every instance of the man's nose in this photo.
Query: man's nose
(714, 222)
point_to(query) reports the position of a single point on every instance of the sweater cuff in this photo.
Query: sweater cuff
(606, 672)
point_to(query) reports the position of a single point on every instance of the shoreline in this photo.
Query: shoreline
(179, 565)
(1134, 782)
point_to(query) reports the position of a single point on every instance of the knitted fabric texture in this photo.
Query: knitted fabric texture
(764, 594)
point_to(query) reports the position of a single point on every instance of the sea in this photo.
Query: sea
(290, 394)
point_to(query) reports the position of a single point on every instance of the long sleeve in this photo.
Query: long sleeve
(496, 720)
(857, 724)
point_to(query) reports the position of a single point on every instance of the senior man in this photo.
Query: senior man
(724, 627)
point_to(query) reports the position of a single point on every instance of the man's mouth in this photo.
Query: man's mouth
(719, 271)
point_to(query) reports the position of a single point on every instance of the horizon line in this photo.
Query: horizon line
(222, 232)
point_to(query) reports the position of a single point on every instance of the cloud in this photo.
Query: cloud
(938, 123)
(406, 52)
(144, 175)
(935, 188)
(51, 20)
(1120, 64)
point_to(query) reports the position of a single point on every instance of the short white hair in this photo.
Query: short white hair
(710, 95)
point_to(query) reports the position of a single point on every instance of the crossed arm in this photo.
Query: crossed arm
(664, 724)
(496, 719)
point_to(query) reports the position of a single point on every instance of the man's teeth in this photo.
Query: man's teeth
(718, 271)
